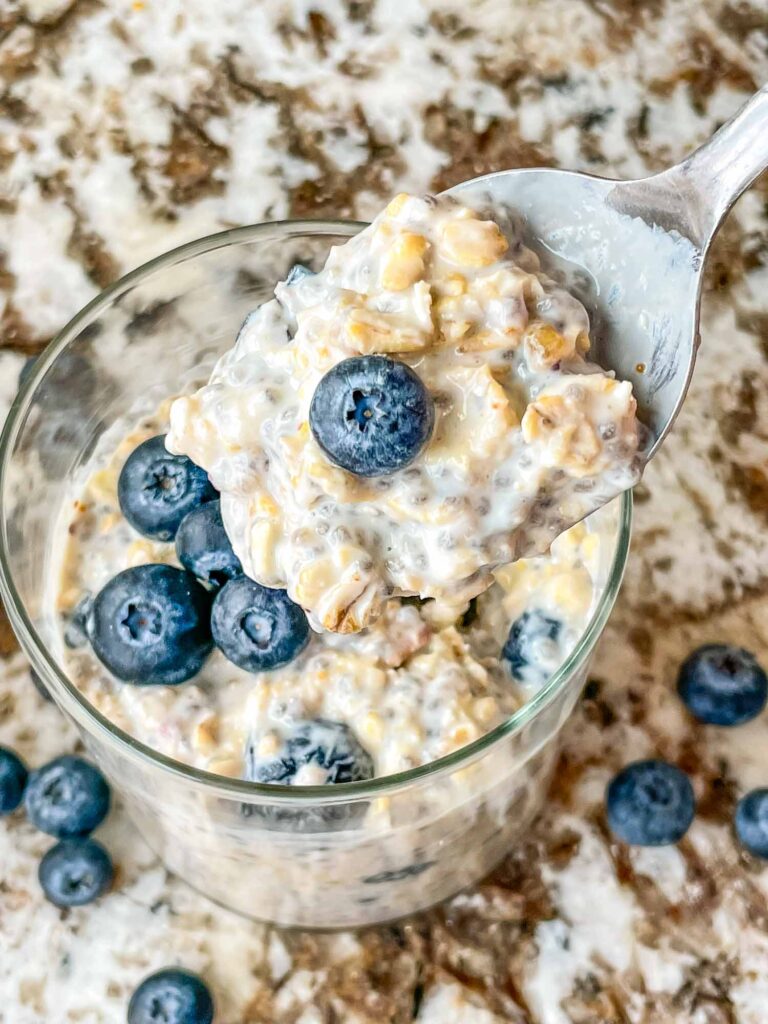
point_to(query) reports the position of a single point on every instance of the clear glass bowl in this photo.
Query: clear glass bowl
(330, 857)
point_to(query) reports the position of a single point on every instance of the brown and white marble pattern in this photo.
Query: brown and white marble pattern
(128, 127)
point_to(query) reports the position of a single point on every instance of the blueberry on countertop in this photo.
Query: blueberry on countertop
(258, 629)
(531, 647)
(751, 822)
(650, 803)
(156, 489)
(150, 625)
(13, 779)
(371, 415)
(315, 753)
(722, 685)
(297, 273)
(171, 996)
(67, 798)
(203, 547)
(75, 872)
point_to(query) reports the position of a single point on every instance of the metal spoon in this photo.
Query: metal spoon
(642, 245)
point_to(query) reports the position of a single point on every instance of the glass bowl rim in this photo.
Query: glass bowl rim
(92, 721)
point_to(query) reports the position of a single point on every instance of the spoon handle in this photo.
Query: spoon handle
(713, 177)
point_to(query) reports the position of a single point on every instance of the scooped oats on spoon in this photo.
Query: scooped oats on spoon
(416, 414)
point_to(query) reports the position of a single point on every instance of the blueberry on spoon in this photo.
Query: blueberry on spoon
(150, 625)
(371, 415)
(156, 489)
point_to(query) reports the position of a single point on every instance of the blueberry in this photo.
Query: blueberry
(156, 489)
(150, 625)
(722, 685)
(13, 779)
(40, 686)
(650, 803)
(67, 797)
(297, 273)
(317, 752)
(203, 546)
(75, 872)
(751, 822)
(330, 750)
(171, 996)
(531, 650)
(257, 628)
(371, 415)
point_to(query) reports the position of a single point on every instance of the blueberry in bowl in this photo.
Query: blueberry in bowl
(13, 780)
(171, 996)
(257, 628)
(156, 489)
(315, 752)
(67, 798)
(150, 625)
(371, 415)
(203, 547)
(650, 803)
(531, 650)
(75, 872)
(721, 684)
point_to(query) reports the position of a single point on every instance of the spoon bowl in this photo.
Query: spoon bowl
(634, 251)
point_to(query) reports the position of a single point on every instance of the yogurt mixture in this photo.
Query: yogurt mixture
(528, 436)
(423, 680)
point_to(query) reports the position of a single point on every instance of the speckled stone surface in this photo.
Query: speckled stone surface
(127, 128)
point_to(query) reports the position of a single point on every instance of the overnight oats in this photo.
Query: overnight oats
(413, 416)
(343, 561)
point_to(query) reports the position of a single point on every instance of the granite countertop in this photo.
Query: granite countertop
(129, 127)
